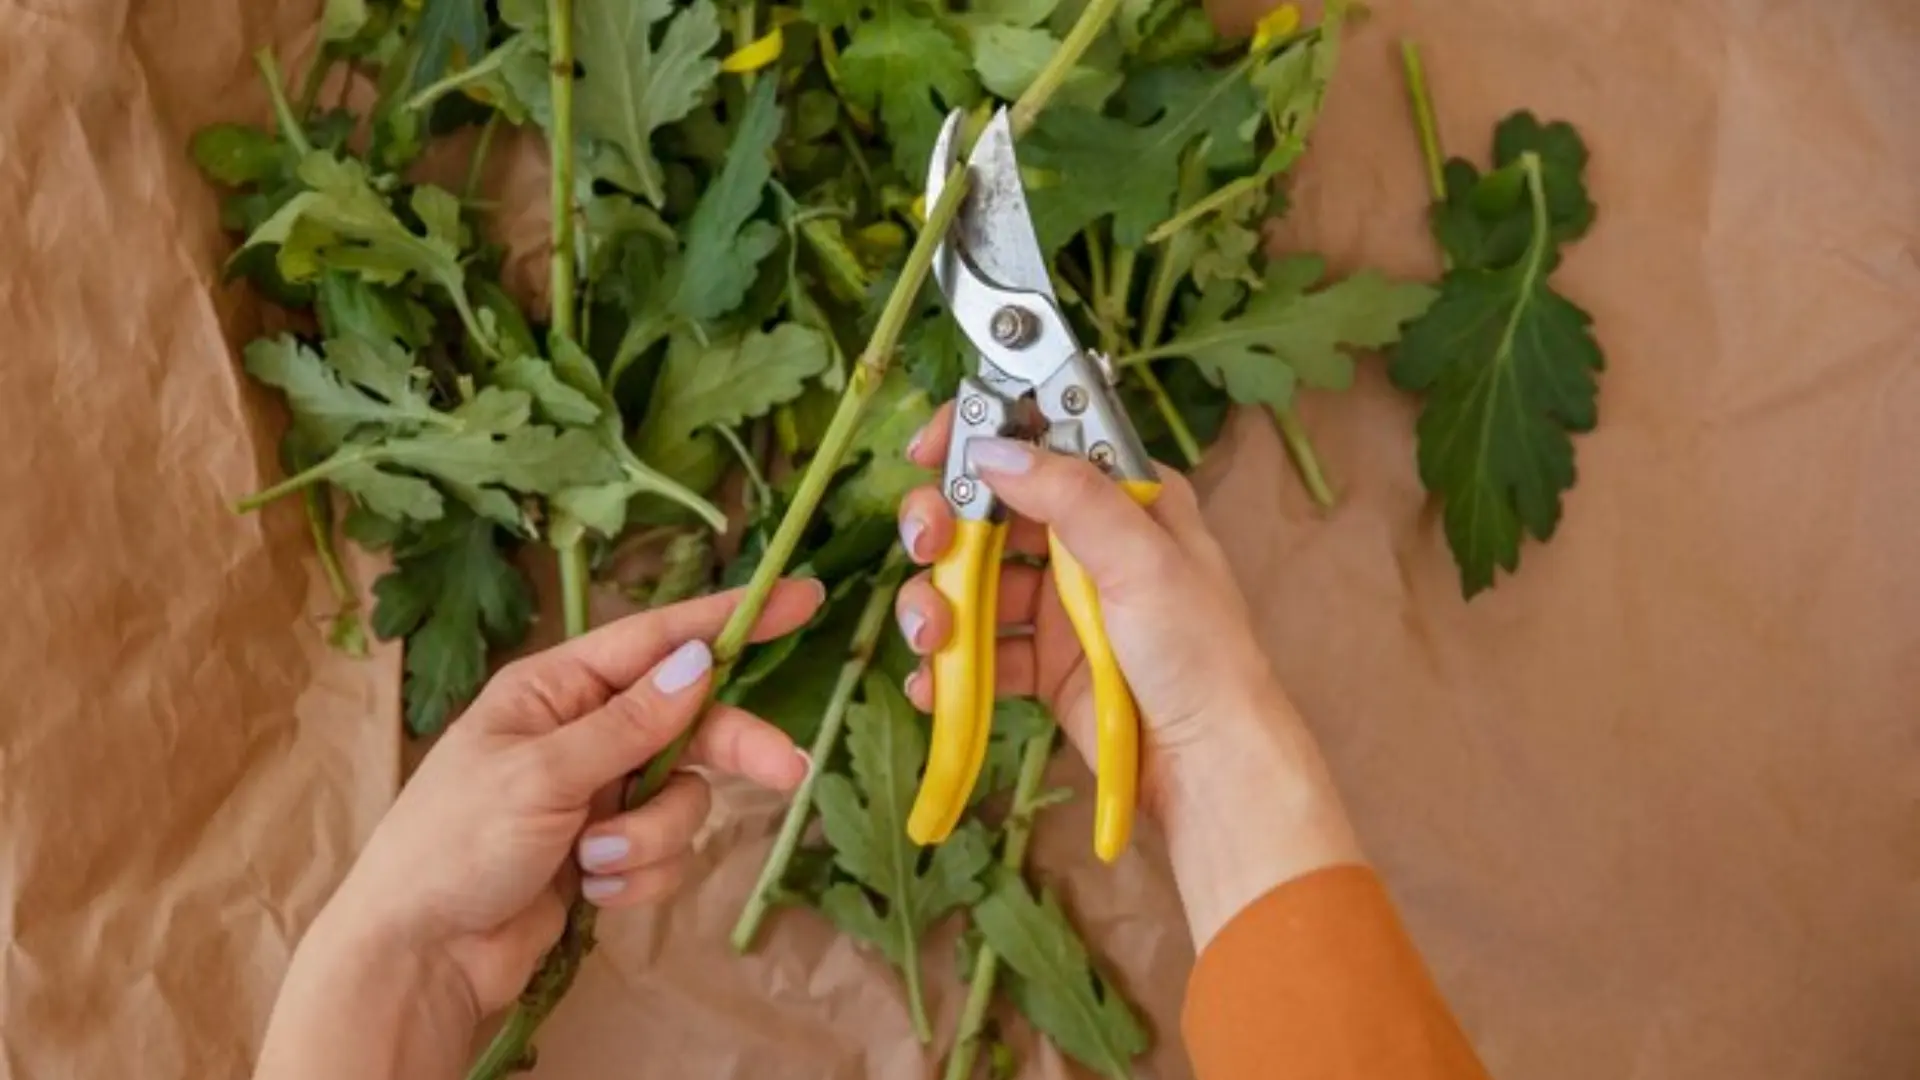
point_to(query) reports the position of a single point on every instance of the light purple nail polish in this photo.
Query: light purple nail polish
(603, 850)
(911, 529)
(684, 668)
(911, 623)
(600, 888)
(1000, 455)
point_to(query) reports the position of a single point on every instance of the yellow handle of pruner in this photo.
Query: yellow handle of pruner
(1116, 719)
(968, 575)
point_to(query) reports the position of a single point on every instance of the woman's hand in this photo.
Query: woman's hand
(464, 884)
(1226, 764)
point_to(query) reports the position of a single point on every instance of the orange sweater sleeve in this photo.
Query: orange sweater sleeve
(1317, 980)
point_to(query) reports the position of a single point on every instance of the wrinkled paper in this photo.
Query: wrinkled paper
(1649, 806)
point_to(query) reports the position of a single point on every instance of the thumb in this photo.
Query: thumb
(630, 728)
(1121, 546)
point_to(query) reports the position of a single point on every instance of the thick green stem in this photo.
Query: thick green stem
(1300, 448)
(860, 650)
(1013, 856)
(1183, 436)
(574, 578)
(1214, 200)
(1422, 101)
(283, 115)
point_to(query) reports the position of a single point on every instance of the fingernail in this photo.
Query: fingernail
(1000, 455)
(911, 623)
(806, 762)
(684, 668)
(603, 850)
(913, 444)
(910, 530)
(600, 888)
(911, 682)
(819, 590)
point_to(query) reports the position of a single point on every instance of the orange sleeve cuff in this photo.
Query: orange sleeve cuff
(1318, 980)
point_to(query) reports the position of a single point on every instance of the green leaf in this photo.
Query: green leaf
(1053, 981)
(1009, 57)
(451, 595)
(631, 86)
(909, 69)
(1485, 222)
(723, 248)
(1285, 336)
(450, 32)
(1097, 165)
(350, 306)
(342, 222)
(556, 400)
(724, 383)
(865, 822)
(359, 384)
(238, 154)
(1507, 366)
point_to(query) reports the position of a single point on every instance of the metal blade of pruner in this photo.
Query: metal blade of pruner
(990, 264)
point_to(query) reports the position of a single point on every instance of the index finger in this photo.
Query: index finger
(579, 675)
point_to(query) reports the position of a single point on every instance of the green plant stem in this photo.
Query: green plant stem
(306, 477)
(316, 75)
(860, 650)
(1214, 200)
(1300, 448)
(1421, 99)
(346, 632)
(1013, 856)
(574, 579)
(477, 164)
(1168, 270)
(283, 116)
(743, 37)
(1093, 19)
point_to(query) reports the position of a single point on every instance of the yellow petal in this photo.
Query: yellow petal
(1276, 26)
(756, 54)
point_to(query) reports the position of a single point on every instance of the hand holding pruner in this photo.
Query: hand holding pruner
(1034, 382)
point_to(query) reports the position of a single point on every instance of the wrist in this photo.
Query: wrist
(1247, 804)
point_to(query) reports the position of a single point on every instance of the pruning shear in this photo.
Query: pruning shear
(1035, 382)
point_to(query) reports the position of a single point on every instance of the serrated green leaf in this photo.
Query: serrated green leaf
(723, 247)
(632, 85)
(358, 384)
(1008, 58)
(910, 70)
(350, 306)
(512, 77)
(1052, 980)
(557, 401)
(451, 595)
(722, 384)
(341, 221)
(1285, 336)
(1508, 368)
(1099, 166)
(1485, 221)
